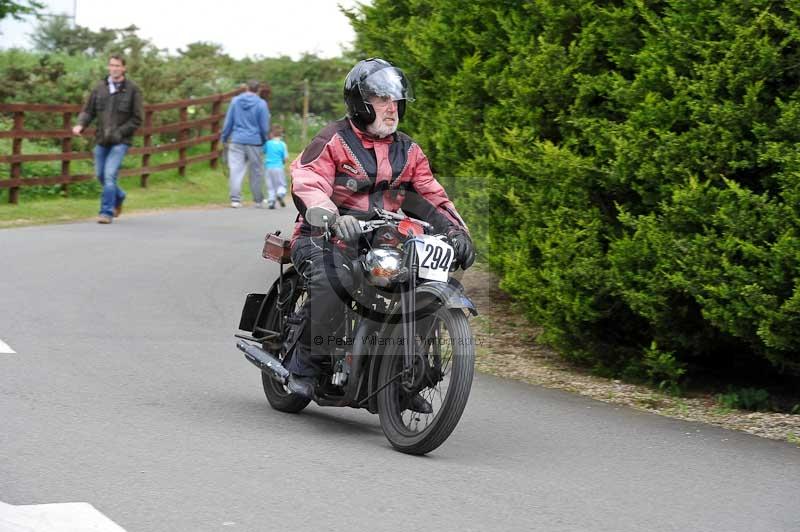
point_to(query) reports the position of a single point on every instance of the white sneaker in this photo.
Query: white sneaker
(259, 205)
(235, 204)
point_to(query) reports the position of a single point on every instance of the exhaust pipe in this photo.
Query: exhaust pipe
(264, 361)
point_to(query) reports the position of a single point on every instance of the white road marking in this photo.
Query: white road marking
(5, 348)
(66, 517)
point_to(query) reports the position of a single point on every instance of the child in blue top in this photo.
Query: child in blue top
(276, 155)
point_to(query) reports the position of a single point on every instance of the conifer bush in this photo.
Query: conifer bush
(630, 168)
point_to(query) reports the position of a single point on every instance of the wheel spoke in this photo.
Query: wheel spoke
(436, 348)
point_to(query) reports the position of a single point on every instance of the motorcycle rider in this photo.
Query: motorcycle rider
(352, 166)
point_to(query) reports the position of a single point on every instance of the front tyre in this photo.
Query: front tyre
(445, 360)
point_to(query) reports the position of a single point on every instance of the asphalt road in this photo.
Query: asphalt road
(126, 391)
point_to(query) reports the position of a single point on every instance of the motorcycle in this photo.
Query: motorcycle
(405, 331)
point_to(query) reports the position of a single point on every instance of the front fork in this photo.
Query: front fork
(408, 301)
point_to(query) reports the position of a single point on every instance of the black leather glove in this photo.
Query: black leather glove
(347, 228)
(462, 244)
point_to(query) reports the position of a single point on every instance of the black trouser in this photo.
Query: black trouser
(330, 280)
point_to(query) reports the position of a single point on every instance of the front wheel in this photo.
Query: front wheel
(444, 365)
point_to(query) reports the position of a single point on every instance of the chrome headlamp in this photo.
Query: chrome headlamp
(383, 266)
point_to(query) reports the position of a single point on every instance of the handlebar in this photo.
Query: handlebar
(385, 217)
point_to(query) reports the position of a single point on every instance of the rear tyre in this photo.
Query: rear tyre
(448, 353)
(293, 296)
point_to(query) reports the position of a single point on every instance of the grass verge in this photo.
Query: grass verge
(202, 186)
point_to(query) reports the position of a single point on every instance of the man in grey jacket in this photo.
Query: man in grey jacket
(246, 127)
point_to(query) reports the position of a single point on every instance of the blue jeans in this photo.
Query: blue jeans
(107, 160)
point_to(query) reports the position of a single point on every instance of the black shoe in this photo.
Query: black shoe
(280, 200)
(418, 404)
(302, 386)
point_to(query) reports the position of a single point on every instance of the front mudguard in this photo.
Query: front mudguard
(450, 295)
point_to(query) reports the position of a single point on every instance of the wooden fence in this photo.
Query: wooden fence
(69, 114)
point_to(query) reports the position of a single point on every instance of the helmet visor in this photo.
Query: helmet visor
(387, 83)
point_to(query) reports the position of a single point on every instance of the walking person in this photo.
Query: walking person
(276, 154)
(116, 103)
(246, 127)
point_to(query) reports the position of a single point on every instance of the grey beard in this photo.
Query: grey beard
(380, 130)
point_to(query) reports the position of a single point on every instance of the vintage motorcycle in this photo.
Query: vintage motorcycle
(405, 331)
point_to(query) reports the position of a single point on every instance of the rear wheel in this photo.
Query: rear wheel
(293, 298)
(443, 367)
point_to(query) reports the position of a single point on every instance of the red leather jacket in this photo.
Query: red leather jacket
(349, 172)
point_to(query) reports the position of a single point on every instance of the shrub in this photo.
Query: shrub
(638, 161)
(754, 399)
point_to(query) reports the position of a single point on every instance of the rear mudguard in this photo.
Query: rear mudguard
(258, 306)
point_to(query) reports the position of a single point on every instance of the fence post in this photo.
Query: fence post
(148, 123)
(16, 149)
(215, 109)
(66, 148)
(183, 136)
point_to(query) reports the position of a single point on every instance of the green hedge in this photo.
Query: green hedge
(638, 163)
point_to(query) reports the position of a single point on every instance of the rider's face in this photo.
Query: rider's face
(386, 116)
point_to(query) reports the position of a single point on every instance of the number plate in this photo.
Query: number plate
(434, 258)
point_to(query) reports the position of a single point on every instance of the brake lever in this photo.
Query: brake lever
(371, 225)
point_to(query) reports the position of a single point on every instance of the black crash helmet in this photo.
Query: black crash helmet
(374, 77)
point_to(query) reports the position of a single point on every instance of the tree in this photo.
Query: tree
(17, 10)
(202, 50)
(638, 172)
(57, 34)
